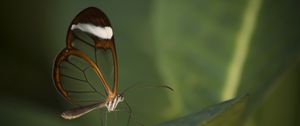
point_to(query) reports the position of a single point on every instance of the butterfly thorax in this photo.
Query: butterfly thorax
(112, 104)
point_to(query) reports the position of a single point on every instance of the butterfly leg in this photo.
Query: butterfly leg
(131, 115)
(105, 122)
(103, 117)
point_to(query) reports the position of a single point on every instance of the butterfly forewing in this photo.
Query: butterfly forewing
(86, 70)
(103, 57)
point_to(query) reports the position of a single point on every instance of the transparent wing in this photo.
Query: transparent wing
(76, 78)
(86, 69)
(103, 57)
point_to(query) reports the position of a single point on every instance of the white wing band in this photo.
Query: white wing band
(101, 32)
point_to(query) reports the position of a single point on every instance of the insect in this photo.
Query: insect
(86, 71)
(90, 38)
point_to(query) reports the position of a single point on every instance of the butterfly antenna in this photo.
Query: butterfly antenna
(146, 86)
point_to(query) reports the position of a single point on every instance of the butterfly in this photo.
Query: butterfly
(90, 49)
(85, 72)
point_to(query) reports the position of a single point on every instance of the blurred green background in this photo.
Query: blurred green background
(207, 50)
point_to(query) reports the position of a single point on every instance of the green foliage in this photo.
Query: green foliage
(215, 50)
(227, 113)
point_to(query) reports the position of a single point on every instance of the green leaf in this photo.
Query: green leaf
(195, 42)
(214, 50)
(226, 113)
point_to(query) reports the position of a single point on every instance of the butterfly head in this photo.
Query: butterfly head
(112, 104)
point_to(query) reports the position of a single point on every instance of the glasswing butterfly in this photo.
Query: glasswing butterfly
(87, 68)
(90, 49)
